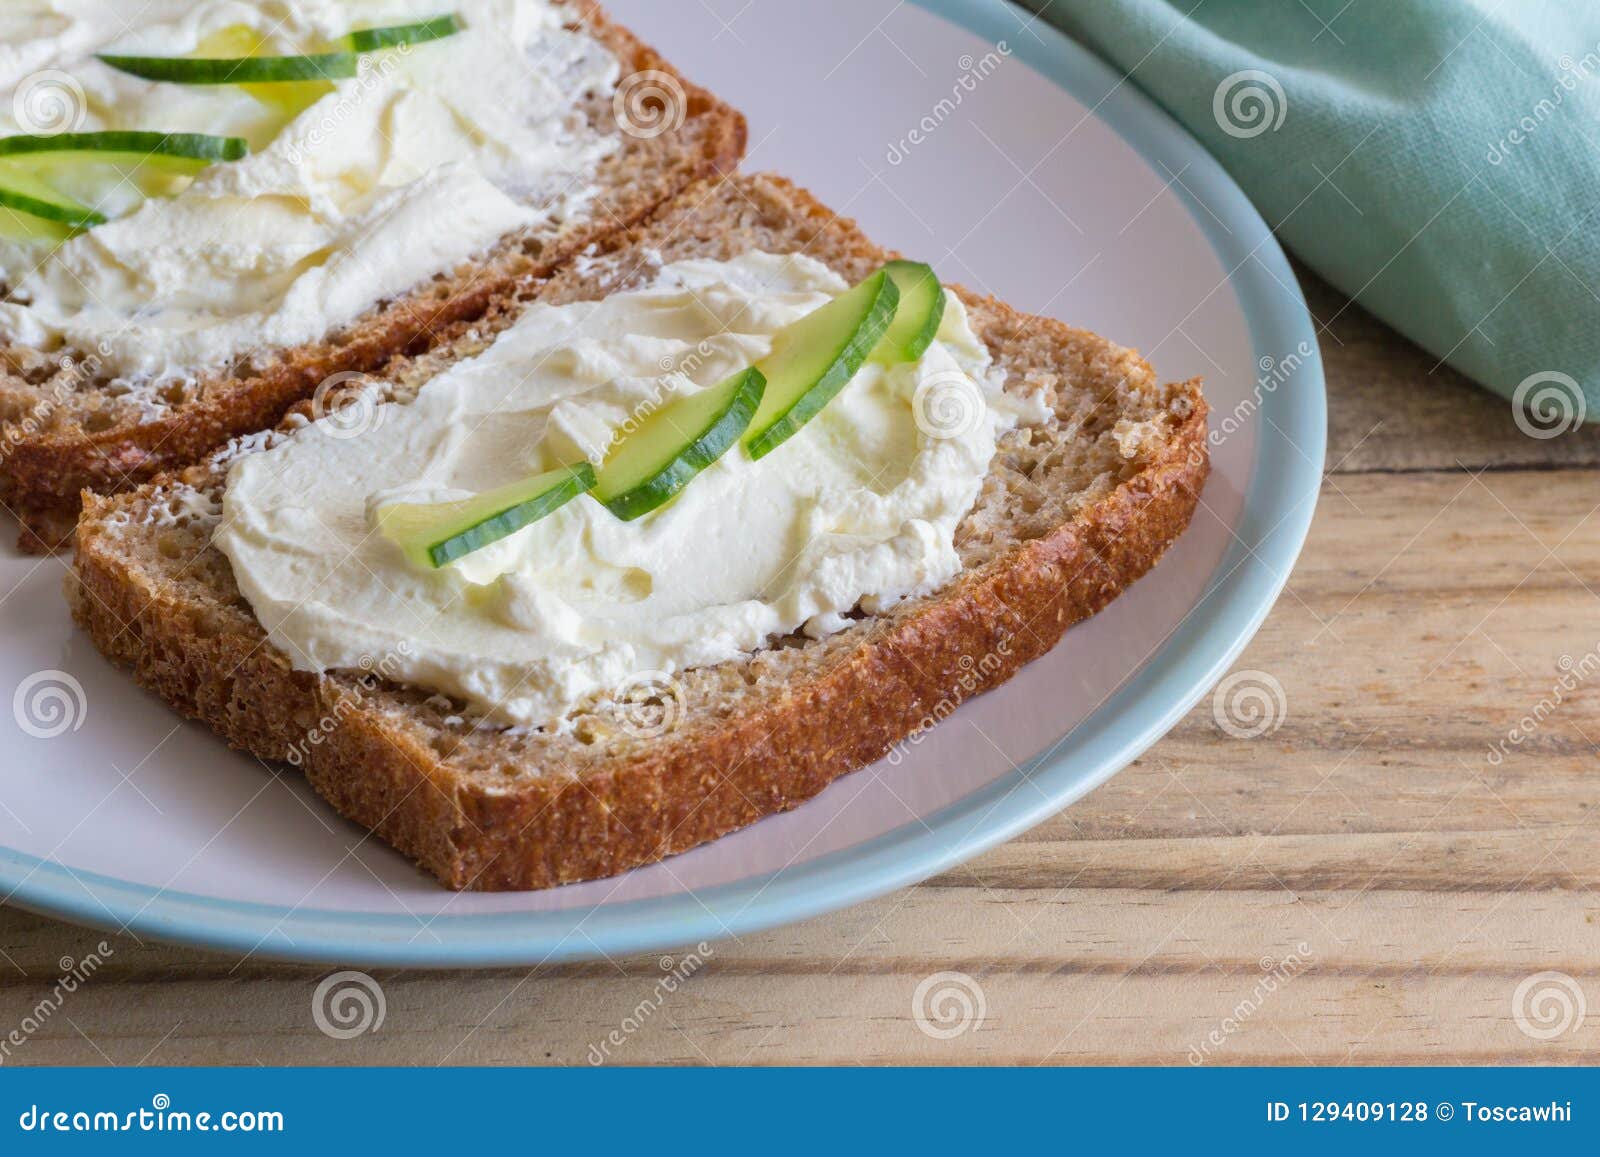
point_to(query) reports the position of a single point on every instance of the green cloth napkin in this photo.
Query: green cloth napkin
(1437, 160)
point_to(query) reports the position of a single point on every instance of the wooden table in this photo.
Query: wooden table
(1363, 884)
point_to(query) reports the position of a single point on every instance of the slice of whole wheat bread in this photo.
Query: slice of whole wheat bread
(66, 426)
(1071, 513)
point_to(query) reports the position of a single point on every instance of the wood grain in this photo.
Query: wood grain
(1412, 872)
(1395, 407)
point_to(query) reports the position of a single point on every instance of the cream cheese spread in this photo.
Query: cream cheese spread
(859, 508)
(426, 158)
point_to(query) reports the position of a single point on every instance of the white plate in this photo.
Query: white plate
(1041, 178)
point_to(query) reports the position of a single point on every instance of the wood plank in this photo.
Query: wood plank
(1393, 406)
(1422, 625)
(1081, 976)
(1508, 862)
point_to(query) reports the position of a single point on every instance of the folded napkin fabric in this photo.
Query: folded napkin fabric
(1437, 160)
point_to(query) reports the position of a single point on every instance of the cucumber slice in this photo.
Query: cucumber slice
(179, 152)
(238, 69)
(667, 449)
(814, 358)
(374, 39)
(55, 170)
(435, 534)
(916, 322)
(249, 68)
(25, 193)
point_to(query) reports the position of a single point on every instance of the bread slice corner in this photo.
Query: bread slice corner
(1071, 513)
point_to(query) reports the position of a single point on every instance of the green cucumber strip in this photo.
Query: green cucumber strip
(815, 357)
(238, 69)
(435, 534)
(25, 193)
(125, 148)
(62, 168)
(668, 448)
(77, 221)
(314, 66)
(374, 39)
(916, 322)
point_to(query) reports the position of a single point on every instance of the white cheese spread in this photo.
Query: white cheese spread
(859, 508)
(429, 156)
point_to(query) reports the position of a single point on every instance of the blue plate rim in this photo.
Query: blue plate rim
(1279, 502)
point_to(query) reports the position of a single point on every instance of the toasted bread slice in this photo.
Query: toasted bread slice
(1070, 514)
(64, 430)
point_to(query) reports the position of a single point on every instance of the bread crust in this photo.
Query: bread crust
(42, 474)
(773, 752)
